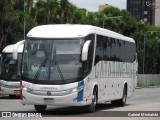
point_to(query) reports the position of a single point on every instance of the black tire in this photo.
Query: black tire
(121, 102)
(40, 108)
(92, 106)
(12, 96)
(114, 103)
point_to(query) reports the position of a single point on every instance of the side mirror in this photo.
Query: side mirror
(85, 50)
(15, 49)
(0, 62)
(0, 58)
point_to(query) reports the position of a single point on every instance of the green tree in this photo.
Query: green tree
(79, 16)
(9, 14)
(64, 5)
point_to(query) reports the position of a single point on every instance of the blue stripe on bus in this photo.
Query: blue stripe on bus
(80, 92)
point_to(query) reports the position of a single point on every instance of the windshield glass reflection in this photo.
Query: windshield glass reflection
(10, 69)
(52, 59)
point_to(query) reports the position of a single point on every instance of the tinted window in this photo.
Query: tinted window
(111, 49)
(99, 49)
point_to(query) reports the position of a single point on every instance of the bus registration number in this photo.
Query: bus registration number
(48, 100)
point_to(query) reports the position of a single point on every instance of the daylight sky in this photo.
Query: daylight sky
(92, 5)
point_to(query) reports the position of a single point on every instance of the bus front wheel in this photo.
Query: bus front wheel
(40, 108)
(12, 96)
(92, 106)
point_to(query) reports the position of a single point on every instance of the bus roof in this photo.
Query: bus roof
(72, 31)
(9, 48)
(20, 49)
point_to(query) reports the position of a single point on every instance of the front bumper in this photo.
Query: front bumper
(66, 100)
(9, 91)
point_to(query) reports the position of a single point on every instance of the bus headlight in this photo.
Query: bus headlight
(26, 89)
(3, 85)
(76, 89)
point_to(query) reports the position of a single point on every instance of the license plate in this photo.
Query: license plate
(16, 91)
(48, 100)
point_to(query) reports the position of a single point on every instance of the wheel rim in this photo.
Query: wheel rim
(124, 97)
(94, 102)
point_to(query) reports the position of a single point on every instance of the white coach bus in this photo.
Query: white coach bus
(77, 65)
(10, 70)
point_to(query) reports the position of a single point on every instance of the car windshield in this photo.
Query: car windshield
(10, 69)
(52, 59)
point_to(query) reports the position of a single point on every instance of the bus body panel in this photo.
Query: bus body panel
(9, 88)
(111, 81)
(59, 94)
(71, 31)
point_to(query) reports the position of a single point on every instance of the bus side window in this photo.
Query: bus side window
(99, 49)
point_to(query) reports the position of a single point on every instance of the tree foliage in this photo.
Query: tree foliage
(38, 12)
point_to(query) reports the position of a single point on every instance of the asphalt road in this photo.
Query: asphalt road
(144, 99)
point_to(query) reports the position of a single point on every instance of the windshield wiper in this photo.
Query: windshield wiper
(59, 70)
(40, 68)
(57, 65)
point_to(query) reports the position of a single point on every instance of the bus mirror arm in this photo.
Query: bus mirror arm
(15, 49)
(85, 50)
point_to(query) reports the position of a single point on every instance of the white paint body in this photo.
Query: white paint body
(10, 87)
(110, 77)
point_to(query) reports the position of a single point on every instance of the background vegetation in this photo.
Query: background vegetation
(38, 12)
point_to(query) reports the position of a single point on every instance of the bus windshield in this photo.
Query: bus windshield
(10, 69)
(52, 60)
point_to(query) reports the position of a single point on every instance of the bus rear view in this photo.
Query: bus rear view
(58, 68)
